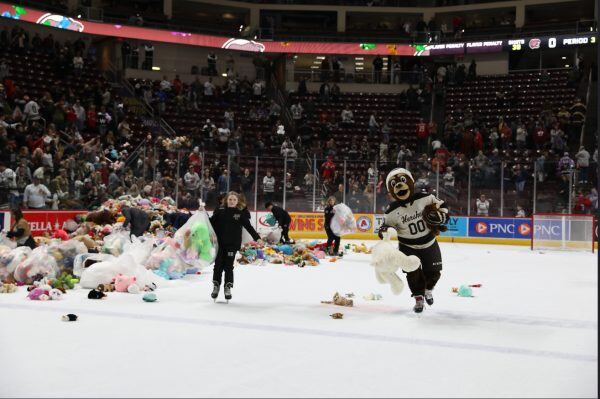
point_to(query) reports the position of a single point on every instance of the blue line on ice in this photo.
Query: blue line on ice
(325, 333)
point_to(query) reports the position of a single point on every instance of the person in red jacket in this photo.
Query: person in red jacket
(540, 137)
(422, 136)
(583, 204)
(505, 135)
(328, 168)
(478, 141)
(91, 118)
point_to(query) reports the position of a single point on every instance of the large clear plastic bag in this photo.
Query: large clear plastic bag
(7, 242)
(343, 221)
(115, 242)
(197, 241)
(79, 261)
(17, 256)
(64, 252)
(5, 258)
(40, 263)
(130, 263)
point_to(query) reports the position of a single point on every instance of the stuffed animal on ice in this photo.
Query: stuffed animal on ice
(343, 221)
(387, 259)
(126, 284)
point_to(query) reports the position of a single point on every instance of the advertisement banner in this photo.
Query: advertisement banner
(48, 221)
(457, 227)
(311, 225)
(500, 227)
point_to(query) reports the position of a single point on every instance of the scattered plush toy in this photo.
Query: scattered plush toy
(372, 297)
(337, 315)
(387, 259)
(95, 294)
(65, 282)
(69, 317)
(7, 288)
(106, 287)
(61, 234)
(149, 297)
(340, 301)
(55, 294)
(270, 219)
(38, 294)
(465, 291)
(122, 283)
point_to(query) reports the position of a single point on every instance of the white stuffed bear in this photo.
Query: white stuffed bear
(387, 259)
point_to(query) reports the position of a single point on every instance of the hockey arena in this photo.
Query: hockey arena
(312, 198)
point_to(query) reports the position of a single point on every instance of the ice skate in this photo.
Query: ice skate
(215, 291)
(227, 291)
(429, 297)
(420, 304)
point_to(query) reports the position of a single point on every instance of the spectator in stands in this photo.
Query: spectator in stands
(520, 212)
(324, 92)
(268, 186)
(191, 181)
(328, 168)
(36, 195)
(593, 197)
(296, 110)
(482, 205)
(246, 183)
(347, 116)
(207, 185)
(223, 182)
(209, 90)
(521, 137)
(377, 68)
(472, 74)
(335, 92)
(211, 61)
(565, 164)
(302, 89)
(422, 136)
(582, 203)
(287, 149)
(325, 67)
(373, 124)
(520, 177)
(274, 112)
(583, 164)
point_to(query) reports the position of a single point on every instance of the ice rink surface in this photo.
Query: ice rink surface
(530, 331)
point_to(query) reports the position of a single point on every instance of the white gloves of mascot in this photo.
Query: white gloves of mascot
(387, 259)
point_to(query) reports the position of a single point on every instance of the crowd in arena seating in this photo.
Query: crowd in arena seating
(70, 138)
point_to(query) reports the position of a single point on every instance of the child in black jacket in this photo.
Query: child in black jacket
(227, 221)
(331, 237)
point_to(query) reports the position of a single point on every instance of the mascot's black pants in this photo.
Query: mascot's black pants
(332, 239)
(224, 262)
(428, 274)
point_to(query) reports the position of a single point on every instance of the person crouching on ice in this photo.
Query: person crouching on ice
(227, 221)
(418, 218)
(331, 237)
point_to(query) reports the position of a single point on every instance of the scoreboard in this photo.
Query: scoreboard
(496, 46)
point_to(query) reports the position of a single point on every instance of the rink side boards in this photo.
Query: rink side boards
(309, 225)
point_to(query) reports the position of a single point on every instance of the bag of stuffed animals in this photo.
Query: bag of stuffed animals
(343, 220)
(15, 257)
(197, 240)
(115, 242)
(39, 264)
(7, 242)
(64, 252)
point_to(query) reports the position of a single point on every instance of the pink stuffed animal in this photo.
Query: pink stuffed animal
(38, 294)
(125, 284)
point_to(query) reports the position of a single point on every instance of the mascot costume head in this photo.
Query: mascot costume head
(400, 184)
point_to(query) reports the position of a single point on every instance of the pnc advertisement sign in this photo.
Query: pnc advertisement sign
(500, 227)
